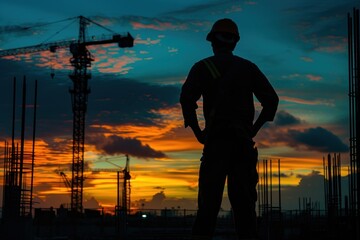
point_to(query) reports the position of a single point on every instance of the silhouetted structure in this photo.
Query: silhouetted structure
(123, 189)
(17, 207)
(81, 61)
(354, 112)
(332, 185)
(19, 167)
(270, 216)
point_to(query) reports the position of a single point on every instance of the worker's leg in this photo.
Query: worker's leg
(242, 180)
(211, 186)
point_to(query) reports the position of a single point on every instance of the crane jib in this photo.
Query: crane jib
(121, 40)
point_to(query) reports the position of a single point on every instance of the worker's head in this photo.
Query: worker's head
(224, 34)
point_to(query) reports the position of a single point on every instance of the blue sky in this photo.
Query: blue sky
(133, 106)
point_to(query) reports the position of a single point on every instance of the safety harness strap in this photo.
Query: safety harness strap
(212, 68)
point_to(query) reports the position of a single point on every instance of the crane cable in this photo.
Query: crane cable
(56, 33)
(59, 21)
(35, 26)
(99, 25)
(75, 18)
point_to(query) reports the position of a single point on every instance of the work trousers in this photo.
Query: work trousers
(233, 158)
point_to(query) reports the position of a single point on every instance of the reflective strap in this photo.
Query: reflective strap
(212, 68)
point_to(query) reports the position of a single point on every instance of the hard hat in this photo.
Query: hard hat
(226, 26)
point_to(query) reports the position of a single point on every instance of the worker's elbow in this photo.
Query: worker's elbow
(277, 100)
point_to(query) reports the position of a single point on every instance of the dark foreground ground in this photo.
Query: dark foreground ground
(169, 226)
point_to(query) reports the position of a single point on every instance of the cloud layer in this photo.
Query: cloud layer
(117, 145)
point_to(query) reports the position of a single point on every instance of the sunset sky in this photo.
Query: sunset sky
(301, 46)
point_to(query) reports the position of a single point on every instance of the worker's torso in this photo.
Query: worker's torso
(231, 95)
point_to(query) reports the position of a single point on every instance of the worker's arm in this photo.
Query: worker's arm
(199, 134)
(260, 121)
(268, 98)
(190, 94)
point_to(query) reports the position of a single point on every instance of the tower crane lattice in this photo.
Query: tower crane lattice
(65, 179)
(80, 61)
(124, 201)
(123, 188)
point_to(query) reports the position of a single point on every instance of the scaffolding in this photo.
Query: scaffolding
(354, 117)
(81, 62)
(269, 205)
(19, 167)
(332, 185)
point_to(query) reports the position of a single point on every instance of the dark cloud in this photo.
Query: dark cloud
(284, 175)
(112, 100)
(161, 23)
(41, 30)
(304, 177)
(54, 115)
(316, 139)
(174, 20)
(15, 29)
(91, 203)
(128, 101)
(160, 201)
(284, 118)
(321, 29)
(114, 145)
(311, 186)
(7, 33)
(205, 7)
(158, 197)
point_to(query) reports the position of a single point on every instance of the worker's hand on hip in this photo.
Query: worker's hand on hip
(254, 131)
(199, 134)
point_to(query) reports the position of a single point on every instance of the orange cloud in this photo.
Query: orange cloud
(107, 59)
(233, 8)
(307, 59)
(307, 102)
(332, 49)
(333, 44)
(158, 25)
(147, 41)
(291, 76)
(314, 77)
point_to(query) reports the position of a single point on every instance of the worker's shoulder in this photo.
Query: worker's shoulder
(241, 60)
(229, 59)
(219, 61)
(200, 64)
(202, 61)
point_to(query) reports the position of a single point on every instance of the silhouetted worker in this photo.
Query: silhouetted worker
(227, 84)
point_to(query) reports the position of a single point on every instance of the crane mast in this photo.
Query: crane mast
(126, 187)
(80, 61)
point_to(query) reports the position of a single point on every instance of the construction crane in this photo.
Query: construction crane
(125, 186)
(123, 203)
(65, 179)
(80, 61)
